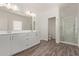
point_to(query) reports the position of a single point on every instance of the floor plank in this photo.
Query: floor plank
(50, 48)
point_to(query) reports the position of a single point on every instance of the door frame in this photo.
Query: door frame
(55, 26)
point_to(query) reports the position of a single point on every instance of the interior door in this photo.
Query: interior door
(68, 29)
(51, 27)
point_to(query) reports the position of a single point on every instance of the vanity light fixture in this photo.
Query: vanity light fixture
(9, 6)
(27, 12)
(14, 8)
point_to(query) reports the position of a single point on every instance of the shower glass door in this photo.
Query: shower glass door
(68, 29)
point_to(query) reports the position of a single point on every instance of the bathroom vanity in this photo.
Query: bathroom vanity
(17, 32)
(13, 43)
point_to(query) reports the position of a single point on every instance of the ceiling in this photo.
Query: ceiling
(40, 7)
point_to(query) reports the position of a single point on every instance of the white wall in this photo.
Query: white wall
(42, 21)
(43, 11)
(53, 12)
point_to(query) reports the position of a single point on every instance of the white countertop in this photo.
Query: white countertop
(25, 31)
(4, 32)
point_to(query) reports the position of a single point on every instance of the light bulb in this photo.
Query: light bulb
(27, 12)
(8, 6)
(15, 8)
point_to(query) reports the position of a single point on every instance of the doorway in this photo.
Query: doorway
(51, 28)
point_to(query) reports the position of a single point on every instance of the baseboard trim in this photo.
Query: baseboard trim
(69, 43)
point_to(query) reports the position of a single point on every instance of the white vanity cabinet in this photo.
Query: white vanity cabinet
(13, 43)
(4, 44)
(22, 41)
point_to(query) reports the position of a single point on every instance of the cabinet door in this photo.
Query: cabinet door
(4, 44)
(18, 43)
(34, 39)
(30, 40)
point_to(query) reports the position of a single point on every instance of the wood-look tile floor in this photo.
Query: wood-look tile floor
(50, 48)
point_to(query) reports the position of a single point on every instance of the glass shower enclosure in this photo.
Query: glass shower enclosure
(68, 28)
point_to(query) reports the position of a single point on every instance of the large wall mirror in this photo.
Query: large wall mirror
(18, 23)
(15, 22)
